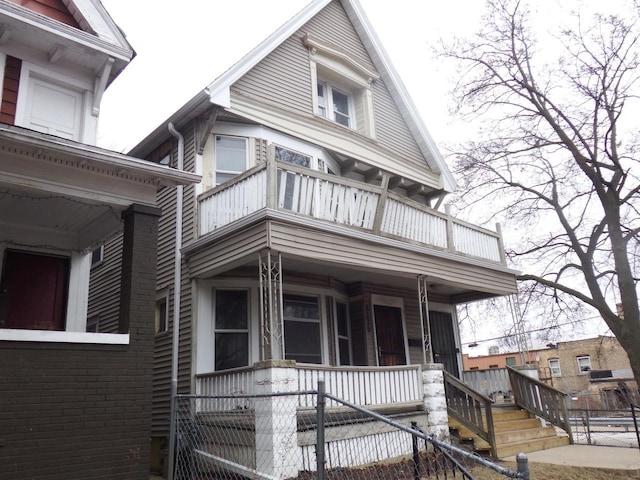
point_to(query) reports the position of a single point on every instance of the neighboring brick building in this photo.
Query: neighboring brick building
(75, 396)
(594, 368)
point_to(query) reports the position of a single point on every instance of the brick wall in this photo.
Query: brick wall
(72, 411)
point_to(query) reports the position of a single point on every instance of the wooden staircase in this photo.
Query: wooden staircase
(515, 430)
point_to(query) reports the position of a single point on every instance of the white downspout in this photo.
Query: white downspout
(177, 277)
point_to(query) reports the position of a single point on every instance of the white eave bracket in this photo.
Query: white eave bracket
(101, 85)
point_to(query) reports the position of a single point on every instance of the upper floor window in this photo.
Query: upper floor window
(584, 364)
(554, 367)
(335, 104)
(231, 154)
(342, 86)
(511, 361)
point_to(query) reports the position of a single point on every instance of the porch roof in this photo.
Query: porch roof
(346, 254)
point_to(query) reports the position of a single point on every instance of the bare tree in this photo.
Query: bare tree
(558, 154)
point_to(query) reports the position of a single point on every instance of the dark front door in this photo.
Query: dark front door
(33, 291)
(443, 341)
(389, 335)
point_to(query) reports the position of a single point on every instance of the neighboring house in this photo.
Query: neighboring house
(74, 403)
(592, 368)
(315, 242)
(595, 368)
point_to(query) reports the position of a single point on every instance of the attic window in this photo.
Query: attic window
(341, 87)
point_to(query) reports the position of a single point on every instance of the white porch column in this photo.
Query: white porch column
(434, 399)
(277, 452)
(271, 323)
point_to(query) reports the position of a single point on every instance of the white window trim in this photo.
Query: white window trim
(160, 296)
(559, 374)
(329, 64)
(337, 336)
(215, 156)
(580, 371)
(88, 122)
(76, 317)
(214, 293)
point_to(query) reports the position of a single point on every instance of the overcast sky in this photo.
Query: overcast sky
(183, 46)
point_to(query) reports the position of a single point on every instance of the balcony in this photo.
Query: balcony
(346, 202)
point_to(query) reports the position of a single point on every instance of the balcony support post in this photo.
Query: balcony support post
(271, 315)
(427, 352)
(382, 201)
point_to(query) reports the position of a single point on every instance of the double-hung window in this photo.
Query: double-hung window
(335, 104)
(231, 321)
(584, 364)
(343, 337)
(230, 157)
(302, 328)
(554, 367)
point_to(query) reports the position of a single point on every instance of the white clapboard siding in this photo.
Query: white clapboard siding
(326, 200)
(234, 202)
(414, 224)
(472, 241)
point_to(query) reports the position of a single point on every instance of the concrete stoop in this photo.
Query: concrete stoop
(515, 431)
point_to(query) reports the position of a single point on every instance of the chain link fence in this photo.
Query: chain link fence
(613, 427)
(270, 437)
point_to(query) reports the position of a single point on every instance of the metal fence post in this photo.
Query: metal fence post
(523, 466)
(320, 460)
(635, 422)
(416, 453)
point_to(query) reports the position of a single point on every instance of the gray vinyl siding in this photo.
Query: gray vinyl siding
(166, 255)
(245, 244)
(283, 77)
(104, 287)
(337, 249)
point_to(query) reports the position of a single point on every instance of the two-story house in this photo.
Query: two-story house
(317, 238)
(75, 401)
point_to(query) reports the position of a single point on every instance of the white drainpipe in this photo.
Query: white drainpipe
(177, 276)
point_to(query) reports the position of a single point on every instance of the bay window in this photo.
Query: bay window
(302, 328)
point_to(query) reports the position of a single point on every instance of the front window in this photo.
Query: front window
(554, 367)
(302, 328)
(231, 329)
(584, 364)
(230, 157)
(335, 104)
(342, 329)
(33, 291)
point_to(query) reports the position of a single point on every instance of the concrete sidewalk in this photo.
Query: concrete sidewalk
(612, 458)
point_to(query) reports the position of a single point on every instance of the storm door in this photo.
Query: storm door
(389, 335)
(443, 341)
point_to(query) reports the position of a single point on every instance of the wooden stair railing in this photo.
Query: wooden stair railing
(540, 399)
(471, 409)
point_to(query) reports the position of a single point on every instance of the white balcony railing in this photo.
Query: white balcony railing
(313, 194)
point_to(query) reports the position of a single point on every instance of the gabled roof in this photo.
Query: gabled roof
(96, 39)
(218, 91)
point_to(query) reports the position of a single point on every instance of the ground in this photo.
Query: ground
(543, 471)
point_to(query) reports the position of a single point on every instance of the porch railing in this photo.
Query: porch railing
(289, 188)
(540, 399)
(358, 385)
(470, 408)
(363, 385)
